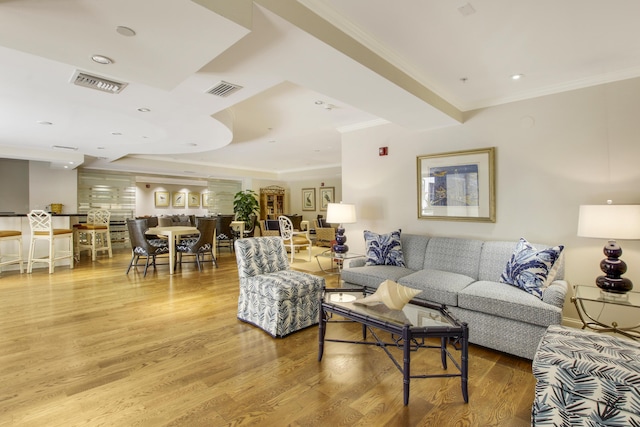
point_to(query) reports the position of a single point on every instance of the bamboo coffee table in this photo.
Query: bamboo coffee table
(408, 327)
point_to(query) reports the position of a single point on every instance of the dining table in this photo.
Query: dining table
(173, 233)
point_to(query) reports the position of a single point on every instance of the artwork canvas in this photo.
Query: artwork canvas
(327, 195)
(308, 199)
(457, 186)
(178, 199)
(194, 200)
(162, 199)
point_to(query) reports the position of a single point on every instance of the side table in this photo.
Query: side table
(606, 312)
(337, 260)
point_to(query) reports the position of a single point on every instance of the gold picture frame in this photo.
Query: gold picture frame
(194, 200)
(327, 195)
(457, 186)
(308, 199)
(178, 199)
(207, 200)
(161, 199)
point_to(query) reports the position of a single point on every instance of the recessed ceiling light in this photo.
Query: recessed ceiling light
(116, 133)
(44, 123)
(100, 59)
(517, 76)
(125, 31)
(144, 109)
(99, 148)
(319, 102)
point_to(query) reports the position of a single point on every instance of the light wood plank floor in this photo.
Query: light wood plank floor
(93, 346)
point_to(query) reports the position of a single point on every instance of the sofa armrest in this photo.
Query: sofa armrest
(356, 262)
(556, 293)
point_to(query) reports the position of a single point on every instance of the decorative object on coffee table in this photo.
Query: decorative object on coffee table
(611, 222)
(341, 213)
(391, 294)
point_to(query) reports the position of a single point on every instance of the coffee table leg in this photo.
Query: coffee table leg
(443, 352)
(464, 359)
(406, 346)
(322, 326)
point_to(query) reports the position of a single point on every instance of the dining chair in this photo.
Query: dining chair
(224, 232)
(200, 246)
(141, 246)
(11, 258)
(42, 230)
(293, 239)
(94, 235)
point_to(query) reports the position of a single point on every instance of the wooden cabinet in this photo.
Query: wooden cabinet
(271, 202)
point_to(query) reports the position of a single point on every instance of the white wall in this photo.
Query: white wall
(295, 189)
(554, 153)
(145, 199)
(14, 191)
(47, 185)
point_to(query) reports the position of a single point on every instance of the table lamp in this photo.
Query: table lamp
(611, 222)
(341, 213)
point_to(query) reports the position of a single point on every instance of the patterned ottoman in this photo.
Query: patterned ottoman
(272, 296)
(586, 379)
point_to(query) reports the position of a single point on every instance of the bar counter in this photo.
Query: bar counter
(17, 221)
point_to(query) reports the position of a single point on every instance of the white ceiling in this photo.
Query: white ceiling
(420, 64)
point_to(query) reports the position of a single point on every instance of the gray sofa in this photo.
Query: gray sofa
(464, 275)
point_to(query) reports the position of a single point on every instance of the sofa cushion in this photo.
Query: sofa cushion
(531, 270)
(384, 249)
(501, 299)
(460, 256)
(372, 275)
(414, 247)
(441, 287)
(496, 254)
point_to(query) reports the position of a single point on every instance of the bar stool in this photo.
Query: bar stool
(11, 236)
(42, 229)
(95, 235)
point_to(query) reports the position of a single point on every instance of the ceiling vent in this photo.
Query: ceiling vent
(97, 82)
(224, 89)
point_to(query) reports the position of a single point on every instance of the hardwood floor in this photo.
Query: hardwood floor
(93, 346)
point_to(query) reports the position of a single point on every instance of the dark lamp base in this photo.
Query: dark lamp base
(340, 247)
(613, 268)
(620, 285)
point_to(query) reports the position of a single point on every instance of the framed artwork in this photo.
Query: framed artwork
(194, 200)
(457, 186)
(178, 199)
(327, 195)
(162, 199)
(207, 200)
(308, 199)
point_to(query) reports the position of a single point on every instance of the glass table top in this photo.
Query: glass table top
(412, 314)
(592, 293)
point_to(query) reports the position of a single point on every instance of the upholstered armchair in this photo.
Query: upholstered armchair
(270, 227)
(325, 234)
(273, 297)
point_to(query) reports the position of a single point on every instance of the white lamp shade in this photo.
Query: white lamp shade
(609, 221)
(341, 213)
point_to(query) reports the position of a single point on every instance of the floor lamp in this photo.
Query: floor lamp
(341, 213)
(611, 222)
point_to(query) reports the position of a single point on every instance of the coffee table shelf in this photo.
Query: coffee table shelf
(409, 328)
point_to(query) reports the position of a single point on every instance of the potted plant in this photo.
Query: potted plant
(245, 204)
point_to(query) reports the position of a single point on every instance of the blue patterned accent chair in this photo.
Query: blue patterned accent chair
(272, 296)
(586, 379)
